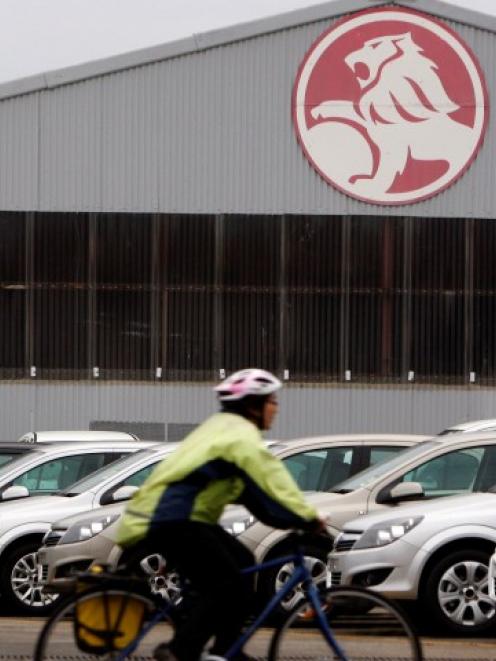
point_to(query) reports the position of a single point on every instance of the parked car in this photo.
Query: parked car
(81, 435)
(434, 553)
(441, 466)
(48, 469)
(315, 463)
(469, 427)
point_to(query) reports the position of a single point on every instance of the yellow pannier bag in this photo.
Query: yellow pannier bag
(107, 622)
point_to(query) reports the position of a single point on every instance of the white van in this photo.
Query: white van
(82, 435)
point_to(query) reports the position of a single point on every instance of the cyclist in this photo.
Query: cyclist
(176, 511)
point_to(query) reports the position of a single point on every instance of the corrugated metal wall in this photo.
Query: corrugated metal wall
(206, 132)
(303, 411)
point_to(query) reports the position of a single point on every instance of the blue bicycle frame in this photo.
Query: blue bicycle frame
(299, 575)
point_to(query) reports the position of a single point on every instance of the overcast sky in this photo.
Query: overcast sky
(42, 35)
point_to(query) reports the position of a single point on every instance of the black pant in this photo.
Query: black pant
(210, 559)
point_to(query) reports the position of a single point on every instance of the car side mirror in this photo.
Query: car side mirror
(14, 492)
(400, 492)
(123, 493)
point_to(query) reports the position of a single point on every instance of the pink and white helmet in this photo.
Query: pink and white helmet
(250, 381)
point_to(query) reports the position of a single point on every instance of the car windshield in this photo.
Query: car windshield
(370, 474)
(106, 472)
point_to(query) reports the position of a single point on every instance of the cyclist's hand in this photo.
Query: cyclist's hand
(321, 523)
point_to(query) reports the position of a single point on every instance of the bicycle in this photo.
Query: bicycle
(344, 623)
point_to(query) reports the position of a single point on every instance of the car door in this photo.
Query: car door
(452, 472)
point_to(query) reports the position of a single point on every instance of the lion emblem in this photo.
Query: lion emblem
(404, 112)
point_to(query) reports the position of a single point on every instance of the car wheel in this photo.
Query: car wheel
(20, 584)
(272, 580)
(456, 593)
(162, 580)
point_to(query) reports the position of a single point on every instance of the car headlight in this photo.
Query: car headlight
(385, 533)
(87, 529)
(237, 526)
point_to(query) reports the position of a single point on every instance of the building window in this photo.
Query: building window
(315, 298)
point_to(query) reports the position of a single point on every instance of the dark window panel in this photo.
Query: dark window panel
(187, 250)
(60, 249)
(188, 342)
(12, 248)
(438, 254)
(123, 333)
(484, 313)
(438, 337)
(60, 326)
(12, 333)
(251, 255)
(313, 343)
(314, 252)
(250, 330)
(376, 290)
(124, 249)
(438, 308)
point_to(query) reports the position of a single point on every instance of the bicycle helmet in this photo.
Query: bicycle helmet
(246, 382)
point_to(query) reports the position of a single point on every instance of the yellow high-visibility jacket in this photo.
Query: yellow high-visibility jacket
(222, 461)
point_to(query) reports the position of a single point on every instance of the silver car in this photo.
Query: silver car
(433, 554)
(315, 463)
(46, 469)
(440, 466)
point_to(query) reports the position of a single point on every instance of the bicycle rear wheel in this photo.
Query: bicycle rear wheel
(365, 626)
(63, 637)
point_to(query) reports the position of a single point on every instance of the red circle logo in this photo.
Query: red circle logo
(390, 106)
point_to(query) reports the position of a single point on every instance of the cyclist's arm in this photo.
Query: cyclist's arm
(270, 492)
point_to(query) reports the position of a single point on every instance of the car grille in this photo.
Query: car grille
(345, 542)
(43, 573)
(345, 545)
(335, 578)
(52, 538)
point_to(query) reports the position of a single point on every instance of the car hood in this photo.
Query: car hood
(68, 521)
(37, 508)
(454, 510)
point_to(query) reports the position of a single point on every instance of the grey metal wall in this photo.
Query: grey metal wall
(204, 132)
(303, 410)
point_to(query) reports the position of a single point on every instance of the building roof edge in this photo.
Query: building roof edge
(219, 37)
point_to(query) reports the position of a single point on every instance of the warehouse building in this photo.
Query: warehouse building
(313, 193)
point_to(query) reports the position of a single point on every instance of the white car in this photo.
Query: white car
(471, 426)
(24, 522)
(315, 463)
(433, 555)
(440, 466)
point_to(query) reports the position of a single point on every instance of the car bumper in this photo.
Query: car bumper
(392, 570)
(58, 565)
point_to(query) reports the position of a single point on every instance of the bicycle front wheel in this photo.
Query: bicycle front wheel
(363, 626)
(103, 623)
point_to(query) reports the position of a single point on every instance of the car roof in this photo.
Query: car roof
(471, 426)
(360, 437)
(15, 446)
(56, 446)
(387, 439)
(465, 436)
(75, 435)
